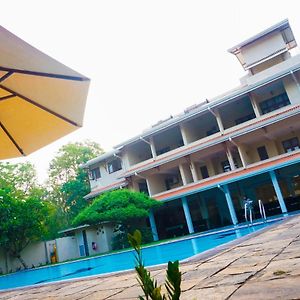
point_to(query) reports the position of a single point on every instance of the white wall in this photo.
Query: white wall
(34, 254)
(67, 248)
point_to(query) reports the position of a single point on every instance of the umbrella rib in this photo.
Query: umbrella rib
(12, 139)
(7, 97)
(6, 76)
(39, 105)
(43, 74)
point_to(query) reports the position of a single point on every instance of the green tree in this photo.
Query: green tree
(121, 207)
(68, 183)
(18, 178)
(22, 210)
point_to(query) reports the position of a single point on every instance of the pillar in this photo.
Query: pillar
(230, 204)
(183, 134)
(187, 215)
(153, 226)
(254, 105)
(193, 171)
(152, 147)
(219, 121)
(278, 191)
(229, 157)
(182, 173)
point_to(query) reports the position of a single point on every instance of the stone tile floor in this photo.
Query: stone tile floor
(262, 266)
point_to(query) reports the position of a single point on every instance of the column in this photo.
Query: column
(148, 186)
(187, 215)
(193, 171)
(183, 134)
(219, 121)
(153, 226)
(182, 173)
(152, 147)
(230, 204)
(278, 191)
(254, 105)
(242, 151)
(229, 157)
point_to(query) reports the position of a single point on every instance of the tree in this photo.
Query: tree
(18, 177)
(122, 207)
(68, 183)
(22, 210)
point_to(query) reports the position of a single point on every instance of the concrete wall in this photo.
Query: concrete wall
(34, 254)
(263, 48)
(67, 248)
(106, 178)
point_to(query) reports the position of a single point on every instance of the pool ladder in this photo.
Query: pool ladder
(261, 210)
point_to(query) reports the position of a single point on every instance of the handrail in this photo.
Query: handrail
(247, 208)
(262, 209)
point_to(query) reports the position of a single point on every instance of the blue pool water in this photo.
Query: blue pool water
(153, 255)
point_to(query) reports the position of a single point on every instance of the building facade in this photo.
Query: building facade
(203, 162)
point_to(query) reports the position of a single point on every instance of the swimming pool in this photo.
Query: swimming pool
(153, 255)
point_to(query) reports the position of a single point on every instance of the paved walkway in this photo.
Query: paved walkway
(264, 266)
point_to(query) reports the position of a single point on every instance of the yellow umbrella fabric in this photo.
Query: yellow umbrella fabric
(41, 100)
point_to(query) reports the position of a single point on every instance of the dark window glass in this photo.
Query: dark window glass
(244, 119)
(274, 103)
(95, 174)
(262, 152)
(143, 188)
(163, 150)
(114, 166)
(212, 131)
(291, 144)
(204, 172)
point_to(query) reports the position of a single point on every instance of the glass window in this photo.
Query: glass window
(204, 172)
(244, 119)
(290, 145)
(114, 166)
(262, 152)
(274, 103)
(143, 187)
(95, 173)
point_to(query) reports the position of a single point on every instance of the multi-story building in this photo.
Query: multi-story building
(202, 162)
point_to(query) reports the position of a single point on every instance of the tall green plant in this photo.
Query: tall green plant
(149, 285)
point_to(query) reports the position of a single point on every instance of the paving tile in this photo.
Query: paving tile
(285, 288)
(215, 293)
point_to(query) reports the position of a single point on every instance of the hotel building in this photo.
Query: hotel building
(202, 162)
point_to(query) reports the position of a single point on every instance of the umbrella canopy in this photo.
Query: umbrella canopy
(41, 100)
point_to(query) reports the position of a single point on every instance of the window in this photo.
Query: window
(114, 166)
(226, 165)
(262, 152)
(143, 187)
(212, 131)
(204, 172)
(244, 119)
(163, 150)
(95, 173)
(291, 145)
(274, 103)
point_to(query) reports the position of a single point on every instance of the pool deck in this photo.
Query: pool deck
(265, 265)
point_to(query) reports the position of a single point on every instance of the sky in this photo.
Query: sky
(146, 60)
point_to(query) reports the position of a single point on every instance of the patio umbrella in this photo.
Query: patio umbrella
(41, 100)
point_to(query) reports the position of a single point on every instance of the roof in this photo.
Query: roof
(281, 26)
(100, 158)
